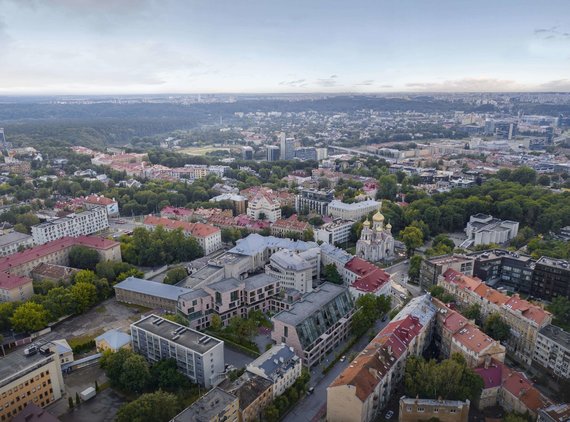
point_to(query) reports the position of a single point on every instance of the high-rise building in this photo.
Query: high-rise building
(2, 137)
(247, 153)
(551, 278)
(306, 153)
(74, 225)
(273, 153)
(311, 200)
(287, 147)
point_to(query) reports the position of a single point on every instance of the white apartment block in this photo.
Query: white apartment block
(13, 242)
(292, 270)
(264, 206)
(335, 232)
(280, 365)
(74, 225)
(354, 211)
(552, 350)
(199, 356)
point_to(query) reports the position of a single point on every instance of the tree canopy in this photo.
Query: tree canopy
(83, 257)
(156, 407)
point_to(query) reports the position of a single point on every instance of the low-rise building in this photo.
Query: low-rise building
(280, 365)
(216, 405)
(59, 274)
(364, 277)
(264, 207)
(111, 205)
(254, 394)
(415, 409)
(432, 268)
(13, 242)
(551, 278)
(239, 202)
(198, 356)
(288, 227)
(511, 270)
(552, 351)
(330, 254)
(292, 270)
(150, 294)
(336, 232)
(316, 324)
(483, 229)
(36, 378)
(354, 211)
(74, 225)
(15, 288)
(113, 340)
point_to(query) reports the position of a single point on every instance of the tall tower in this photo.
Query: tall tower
(283, 144)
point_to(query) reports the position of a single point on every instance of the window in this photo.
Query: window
(286, 331)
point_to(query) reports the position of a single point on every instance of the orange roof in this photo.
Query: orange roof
(101, 200)
(455, 321)
(195, 229)
(519, 386)
(461, 280)
(372, 282)
(528, 310)
(491, 294)
(473, 338)
(9, 281)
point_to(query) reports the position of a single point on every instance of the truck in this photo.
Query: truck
(87, 394)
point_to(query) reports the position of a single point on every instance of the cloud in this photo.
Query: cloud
(551, 33)
(327, 82)
(298, 83)
(386, 86)
(333, 76)
(366, 82)
(467, 85)
(557, 85)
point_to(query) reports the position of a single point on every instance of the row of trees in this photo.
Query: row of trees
(281, 404)
(159, 247)
(369, 309)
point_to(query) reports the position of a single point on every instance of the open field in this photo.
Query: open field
(201, 150)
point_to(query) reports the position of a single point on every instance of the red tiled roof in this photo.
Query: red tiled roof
(20, 258)
(372, 282)
(461, 280)
(360, 267)
(527, 309)
(9, 281)
(176, 211)
(101, 200)
(195, 229)
(473, 339)
(492, 375)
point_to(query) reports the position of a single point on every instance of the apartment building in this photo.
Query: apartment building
(354, 211)
(239, 202)
(293, 270)
(150, 294)
(511, 270)
(554, 413)
(313, 201)
(336, 232)
(415, 409)
(364, 388)
(198, 356)
(111, 205)
(228, 298)
(289, 226)
(524, 318)
(483, 229)
(216, 405)
(316, 324)
(280, 365)
(28, 379)
(13, 242)
(15, 288)
(209, 237)
(364, 277)
(552, 351)
(551, 278)
(330, 254)
(74, 225)
(57, 253)
(254, 394)
(432, 268)
(264, 207)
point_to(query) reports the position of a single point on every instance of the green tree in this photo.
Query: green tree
(85, 295)
(414, 269)
(216, 322)
(497, 328)
(387, 187)
(271, 413)
(331, 274)
(473, 312)
(165, 376)
(413, 238)
(309, 235)
(83, 257)
(133, 272)
(135, 374)
(85, 276)
(29, 317)
(6, 311)
(175, 275)
(560, 308)
(156, 407)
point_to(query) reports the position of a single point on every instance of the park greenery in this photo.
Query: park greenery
(369, 308)
(174, 275)
(241, 331)
(496, 327)
(560, 308)
(450, 379)
(83, 257)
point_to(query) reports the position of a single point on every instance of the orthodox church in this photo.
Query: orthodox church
(376, 243)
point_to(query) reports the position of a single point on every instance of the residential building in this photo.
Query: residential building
(524, 318)
(292, 270)
(354, 211)
(34, 413)
(552, 351)
(483, 229)
(57, 253)
(216, 405)
(336, 232)
(150, 294)
(208, 236)
(263, 207)
(313, 201)
(364, 388)
(198, 356)
(554, 413)
(376, 243)
(228, 298)
(74, 225)
(551, 278)
(113, 340)
(280, 365)
(15, 288)
(24, 379)
(316, 324)
(416, 409)
(306, 153)
(254, 394)
(330, 254)
(111, 205)
(364, 277)
(273, 153)
(511, 270)
(290, 227)
(510, 389)
(432, 268)
(247, 153)
(239, 202)
(13, 242)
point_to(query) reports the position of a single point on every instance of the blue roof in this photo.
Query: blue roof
(115, 339)
(152, 288)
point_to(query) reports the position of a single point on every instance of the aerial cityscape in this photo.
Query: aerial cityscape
(276, 211)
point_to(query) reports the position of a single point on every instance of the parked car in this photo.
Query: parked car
(389, 415)
(310, 391)
(342, 359)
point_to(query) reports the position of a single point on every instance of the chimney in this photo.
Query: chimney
(487, 361)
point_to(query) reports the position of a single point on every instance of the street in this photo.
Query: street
(399, 274)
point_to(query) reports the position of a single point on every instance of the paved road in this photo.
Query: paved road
(399, 274)
(313, 407)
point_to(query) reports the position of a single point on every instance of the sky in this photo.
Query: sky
(282, 46)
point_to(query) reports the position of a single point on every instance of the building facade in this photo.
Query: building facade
(150, 294)
(336, 232)
(313, 201)
(552, 351)
(413, 410)
(198, 356)
(432, 268)
(376, 243)
(292, 270)
(264, 206)
(551, 278)
(354, 211)
(289, 227)
(273, 153)
(74, 225)
(216, 405)
(111, 205)
(13, 242)
(483, 229)
(280, 365)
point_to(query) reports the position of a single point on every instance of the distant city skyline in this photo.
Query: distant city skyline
(255, 46)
